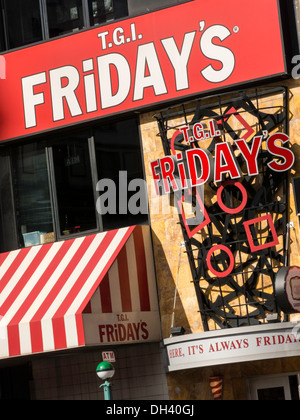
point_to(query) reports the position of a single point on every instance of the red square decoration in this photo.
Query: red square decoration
(274, 242)
(193, 225)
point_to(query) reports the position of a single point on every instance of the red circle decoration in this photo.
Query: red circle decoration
(244, 201)
(228, 252)
(173, 141)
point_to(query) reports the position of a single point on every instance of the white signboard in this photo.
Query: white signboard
(108, 356)
(232, 346)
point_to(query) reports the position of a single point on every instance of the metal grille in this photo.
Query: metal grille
(246, 295)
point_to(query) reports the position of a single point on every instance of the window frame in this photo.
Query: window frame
(45, 20)
(4, 38)
(4, 33)
(11, 153)
(51, 139)
(4, 41)
(255, 384)
(54, 197)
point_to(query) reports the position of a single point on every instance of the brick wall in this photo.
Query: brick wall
(140, 374)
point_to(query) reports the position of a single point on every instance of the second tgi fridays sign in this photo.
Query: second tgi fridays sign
(177, 52)
(193, 168)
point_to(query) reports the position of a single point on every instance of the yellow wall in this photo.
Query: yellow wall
(167, 237)
(294, 89)
(194, 384)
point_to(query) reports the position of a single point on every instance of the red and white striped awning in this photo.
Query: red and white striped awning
(45, 290)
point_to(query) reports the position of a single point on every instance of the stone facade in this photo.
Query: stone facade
(172, 266)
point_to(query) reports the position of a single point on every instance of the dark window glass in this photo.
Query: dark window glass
(64, 16)
(23, 22)
(271, 394)
(101, 11)
(76, 206)
(8, 236)
(117, 150)
(49, 188)
(137, 7)
(3, 46)
(294, 386)
(296, 184)
(15, 383)
(32, 195)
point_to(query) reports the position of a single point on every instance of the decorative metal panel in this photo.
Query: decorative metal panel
(236, 251)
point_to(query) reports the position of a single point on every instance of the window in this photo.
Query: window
(117, 150)
(8, 229)
(274, 388)
(48, 188)
(31, 194)
(64, 16)
(22, 23)
(16, 383)
(75, 201)
(101, 11)
(137, 7)
(296, 187)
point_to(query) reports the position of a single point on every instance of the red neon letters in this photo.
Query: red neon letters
(286, 154)
(184, 171)
(225, 162)
(250, 156)
(199, 160)
(197, 166)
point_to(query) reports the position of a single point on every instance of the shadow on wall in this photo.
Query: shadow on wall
(296, 167)
(167, 293)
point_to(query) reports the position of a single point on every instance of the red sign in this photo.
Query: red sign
(173, 53)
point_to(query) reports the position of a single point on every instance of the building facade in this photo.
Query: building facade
(150, 199)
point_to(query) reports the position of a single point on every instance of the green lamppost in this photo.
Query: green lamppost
(105, 371)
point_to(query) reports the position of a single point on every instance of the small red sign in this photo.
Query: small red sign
(109, 356)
